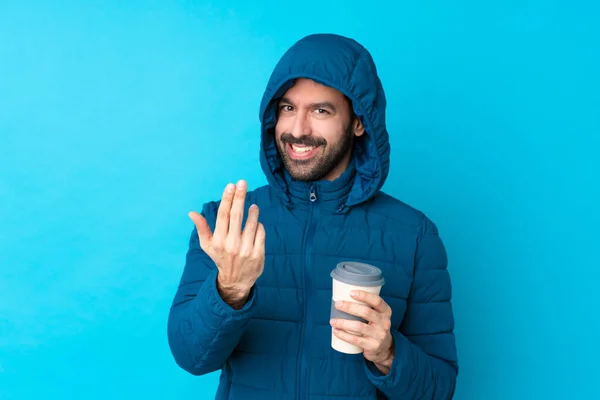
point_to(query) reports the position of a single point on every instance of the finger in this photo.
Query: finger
(374, 331)
(250, 228)
(364, 342)
(222, 224)
(358, 310)
(204, 232)
(259, 240)
(237, 209)
(356, 327)
(373, 300)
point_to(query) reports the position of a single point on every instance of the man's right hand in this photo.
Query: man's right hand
(239, 256)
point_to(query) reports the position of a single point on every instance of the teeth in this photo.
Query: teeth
(302, 149)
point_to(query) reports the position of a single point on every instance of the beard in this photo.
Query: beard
(329, 155)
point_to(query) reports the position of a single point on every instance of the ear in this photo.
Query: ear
(357, 126)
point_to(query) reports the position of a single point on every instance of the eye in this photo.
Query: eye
(285, 107)
(321, 111)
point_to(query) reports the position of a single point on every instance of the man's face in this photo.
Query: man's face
(315, 131)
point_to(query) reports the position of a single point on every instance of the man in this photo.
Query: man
(255, 296)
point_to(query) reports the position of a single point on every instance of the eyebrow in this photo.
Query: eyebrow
(320, 104)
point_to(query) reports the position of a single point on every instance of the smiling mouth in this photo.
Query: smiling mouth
(301, 152)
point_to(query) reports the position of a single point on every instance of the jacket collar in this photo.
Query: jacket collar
(330, 195)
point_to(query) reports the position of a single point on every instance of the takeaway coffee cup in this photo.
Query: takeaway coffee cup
(348, 276)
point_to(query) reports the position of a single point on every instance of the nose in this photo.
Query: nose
(301, 125)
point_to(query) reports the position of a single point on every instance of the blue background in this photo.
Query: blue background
(117, 118)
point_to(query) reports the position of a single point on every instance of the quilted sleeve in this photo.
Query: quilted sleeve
(202, 329)
(425, 364)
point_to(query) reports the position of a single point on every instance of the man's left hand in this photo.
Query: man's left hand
(375, 337)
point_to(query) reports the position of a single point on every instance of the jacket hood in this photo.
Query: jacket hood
(343, 64)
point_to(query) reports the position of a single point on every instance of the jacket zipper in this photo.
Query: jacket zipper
(306, 326)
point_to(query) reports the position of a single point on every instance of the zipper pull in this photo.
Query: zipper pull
(313, 194)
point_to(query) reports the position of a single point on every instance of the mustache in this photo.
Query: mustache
(305, 140)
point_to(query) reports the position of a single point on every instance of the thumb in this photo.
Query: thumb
(204, 232)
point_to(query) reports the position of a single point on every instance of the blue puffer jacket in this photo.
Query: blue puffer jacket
(279, 345)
